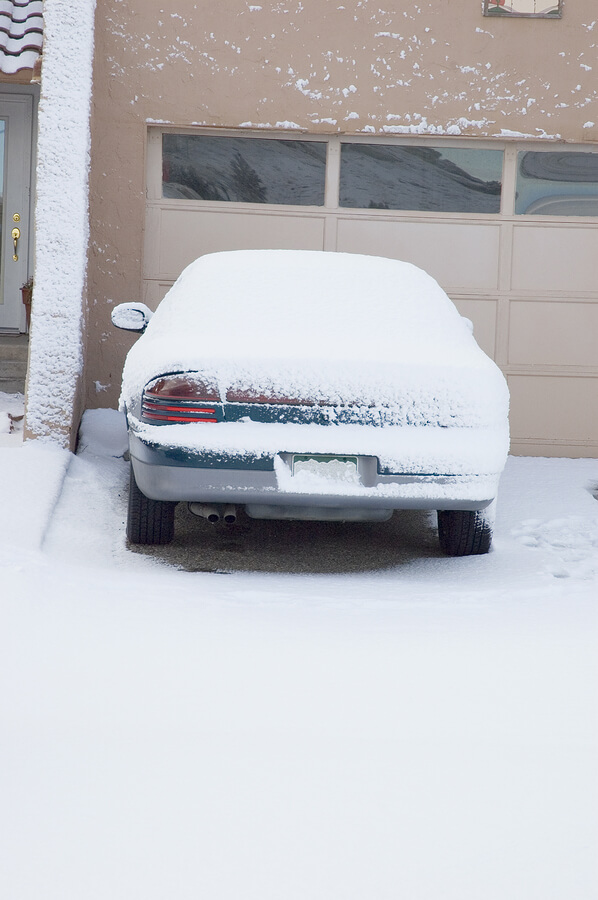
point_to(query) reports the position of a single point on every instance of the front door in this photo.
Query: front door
(16, 113)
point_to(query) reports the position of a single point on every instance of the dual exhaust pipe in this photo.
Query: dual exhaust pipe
(215, 512)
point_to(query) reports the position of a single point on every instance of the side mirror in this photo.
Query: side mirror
(131, 316)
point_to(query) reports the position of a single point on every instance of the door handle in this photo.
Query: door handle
(16, 234)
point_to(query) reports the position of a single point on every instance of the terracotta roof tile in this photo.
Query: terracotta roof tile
(21, 34)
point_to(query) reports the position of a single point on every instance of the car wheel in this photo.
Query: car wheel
(464, 532)
(148, 521)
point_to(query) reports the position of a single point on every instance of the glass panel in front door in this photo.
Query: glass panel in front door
(15, 185)
(2, 138)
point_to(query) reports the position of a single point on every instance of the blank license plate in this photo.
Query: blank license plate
(335, 468)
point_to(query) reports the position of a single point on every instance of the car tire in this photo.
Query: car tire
(464, 532)
(148, 521)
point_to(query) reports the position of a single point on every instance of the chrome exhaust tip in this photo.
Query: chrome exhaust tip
(230, 514)
(215, 512)
(206, 511)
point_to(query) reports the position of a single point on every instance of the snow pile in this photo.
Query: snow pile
(32, 477)
(326, 327)
(572, 542)
(103, 432)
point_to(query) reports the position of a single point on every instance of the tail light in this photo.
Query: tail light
(180, 398)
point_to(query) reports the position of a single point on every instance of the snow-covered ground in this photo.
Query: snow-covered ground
(423, 728)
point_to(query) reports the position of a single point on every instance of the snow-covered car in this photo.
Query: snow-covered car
(311, 385)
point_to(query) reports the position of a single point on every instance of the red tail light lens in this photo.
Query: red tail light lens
(180, 398)
(183, 387)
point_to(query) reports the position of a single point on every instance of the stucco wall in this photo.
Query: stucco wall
(428, 68)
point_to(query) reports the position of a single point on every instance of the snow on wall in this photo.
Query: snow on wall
(61, 219)
(357, 68)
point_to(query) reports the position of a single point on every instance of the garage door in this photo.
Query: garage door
(509, 230)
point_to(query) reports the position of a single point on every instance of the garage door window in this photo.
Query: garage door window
(360, 174)
(557, 184)
(428, 179)
(243, 170)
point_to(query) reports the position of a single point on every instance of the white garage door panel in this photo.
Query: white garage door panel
(554, 409)
(557, 333)
(155, 291)
(483, 315)
(460, 257)
(186, 234)
(548, 258)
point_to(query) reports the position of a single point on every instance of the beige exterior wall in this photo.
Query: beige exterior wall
(355, 70)
(21, 77)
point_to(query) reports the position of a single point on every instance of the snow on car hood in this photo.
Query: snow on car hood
(332, 327)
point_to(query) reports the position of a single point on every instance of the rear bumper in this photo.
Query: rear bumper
(246, 478)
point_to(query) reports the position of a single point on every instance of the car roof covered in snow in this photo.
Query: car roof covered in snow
(308, 304)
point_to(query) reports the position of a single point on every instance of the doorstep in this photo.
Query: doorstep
(14, 350)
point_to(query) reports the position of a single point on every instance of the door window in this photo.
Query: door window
(2, 139)
(16, 112)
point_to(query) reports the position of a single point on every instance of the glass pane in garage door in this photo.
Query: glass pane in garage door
(243, 170)
(428, 179)
(557, 183)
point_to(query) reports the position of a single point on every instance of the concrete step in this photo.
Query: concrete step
(14, 346)
(13, 362)
(13, 368)
(17, 386)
